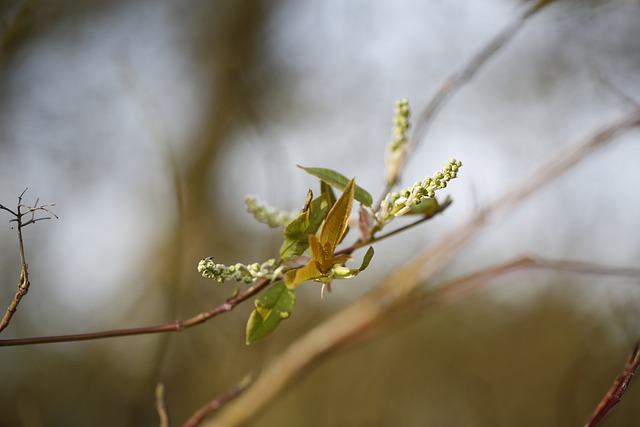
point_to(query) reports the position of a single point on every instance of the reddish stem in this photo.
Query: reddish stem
(178, 326)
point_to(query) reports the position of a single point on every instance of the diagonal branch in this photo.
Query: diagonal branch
(614, 395)
(218, 402)
(458, 289)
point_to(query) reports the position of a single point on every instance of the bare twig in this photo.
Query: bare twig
(178, 326)
(19, 215)
(218, 403)
(614, 395)
(361, 315)
(161, 408)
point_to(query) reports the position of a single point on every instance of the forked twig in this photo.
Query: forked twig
(29, 212)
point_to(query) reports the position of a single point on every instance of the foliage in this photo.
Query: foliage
(321, 226)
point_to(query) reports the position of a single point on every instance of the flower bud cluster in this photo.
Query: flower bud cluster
(240, 272)
(400, 125)
(400, 202)
(396, 148)
(268, 215)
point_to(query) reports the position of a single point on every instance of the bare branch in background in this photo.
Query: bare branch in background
(461, 288)
(161, 408)
(461, 77)
(218, 403)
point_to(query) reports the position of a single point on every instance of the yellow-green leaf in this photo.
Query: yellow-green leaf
(337, 219)
(339, 181)
(272, 307)
(293, 278)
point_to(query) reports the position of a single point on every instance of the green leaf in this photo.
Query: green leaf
(296, 233)
(340, 182)
(328, 191)
(367, 259)
(272, 307)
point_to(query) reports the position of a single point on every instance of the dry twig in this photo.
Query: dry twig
(29, 212)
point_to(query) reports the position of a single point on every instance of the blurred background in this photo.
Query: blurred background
(147, 122)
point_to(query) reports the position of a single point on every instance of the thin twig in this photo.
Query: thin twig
(178, 326)
(161, 408)
(367, 311)
(360, 243)
(620, 385)
(21, 212)
(218, 403)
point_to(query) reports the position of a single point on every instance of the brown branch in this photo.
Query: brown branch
(24, 283)
(218, 403)
(344, 326)
(620, 385)
(178, 326)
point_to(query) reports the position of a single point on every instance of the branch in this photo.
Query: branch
(614, 395)
(178, 326)
(461, 288)
(367, 311)
(19, 215)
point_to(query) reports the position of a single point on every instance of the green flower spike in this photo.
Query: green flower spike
(240, 272)
(399, 203)
(396, 149)
(268, 215)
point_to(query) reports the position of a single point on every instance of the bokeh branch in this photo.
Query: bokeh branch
(458, 289)
(23, 215)
(217, 403)
(358, 318)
